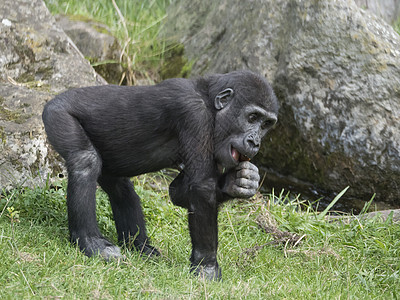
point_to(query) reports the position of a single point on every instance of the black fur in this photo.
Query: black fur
(107, 134)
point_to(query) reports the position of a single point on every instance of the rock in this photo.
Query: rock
(383, 215)
(175, 64)
(96, 43)
(389, 10)
(336, 71)
(37, 61)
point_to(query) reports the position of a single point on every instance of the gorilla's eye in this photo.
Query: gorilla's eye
(267, 124)
(253, 118)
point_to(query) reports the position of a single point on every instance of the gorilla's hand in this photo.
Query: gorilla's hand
(242, 182)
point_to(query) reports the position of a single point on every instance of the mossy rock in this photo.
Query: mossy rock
(175, 63)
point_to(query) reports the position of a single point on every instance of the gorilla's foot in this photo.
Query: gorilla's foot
(147, 250)
(93, 246)
(111, 253)
(209, 272)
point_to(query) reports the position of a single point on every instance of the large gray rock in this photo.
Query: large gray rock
(336, 71)
(389, 10)
(37, 60)
(96, 43)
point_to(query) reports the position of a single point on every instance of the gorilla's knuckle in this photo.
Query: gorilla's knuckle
(256, 184)
(248, 174)
(242, 182)
(244, 165)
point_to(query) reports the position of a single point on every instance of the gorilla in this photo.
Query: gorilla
(210, 126)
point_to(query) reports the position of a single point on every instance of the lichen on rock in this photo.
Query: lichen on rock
(37, 60)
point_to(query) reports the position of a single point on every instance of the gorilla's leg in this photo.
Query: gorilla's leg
(128, 214)
(203, 214)
(83, 170)
(83, 166)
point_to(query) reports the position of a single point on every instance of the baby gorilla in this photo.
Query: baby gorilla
(211, 126)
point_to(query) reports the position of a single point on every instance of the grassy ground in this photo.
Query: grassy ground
(259, 257)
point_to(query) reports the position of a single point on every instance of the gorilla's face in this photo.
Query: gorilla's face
(238, 133)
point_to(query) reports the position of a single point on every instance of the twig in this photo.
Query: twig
(5, 206)
(125, 49)
(234, 233)
(205, 286)
(26, 280)
(121, 18)
(262, 182)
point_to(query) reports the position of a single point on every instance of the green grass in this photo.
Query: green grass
(331, 260)
(396, 26)
(136, 27)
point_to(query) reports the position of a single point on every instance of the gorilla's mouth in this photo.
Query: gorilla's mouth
(237, 156)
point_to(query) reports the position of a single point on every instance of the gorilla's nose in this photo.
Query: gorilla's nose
(252, 145)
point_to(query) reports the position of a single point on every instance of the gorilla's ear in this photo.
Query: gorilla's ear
(223, 98)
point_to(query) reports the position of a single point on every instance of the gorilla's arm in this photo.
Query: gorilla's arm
(241, 182)
(196, 188)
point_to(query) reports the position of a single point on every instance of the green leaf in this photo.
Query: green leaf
(336, 199)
